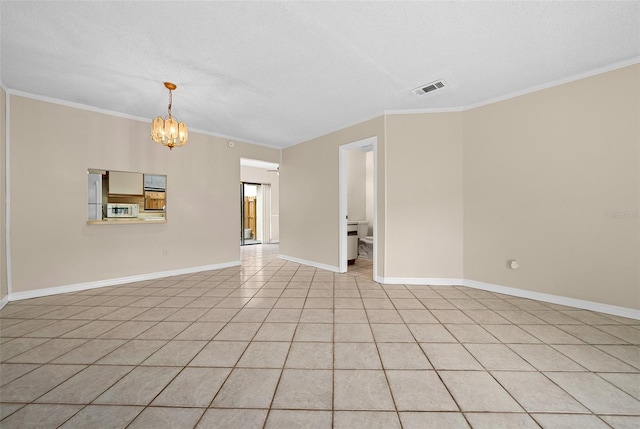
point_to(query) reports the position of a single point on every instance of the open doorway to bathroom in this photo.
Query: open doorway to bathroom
(358, 220)
(259, 202)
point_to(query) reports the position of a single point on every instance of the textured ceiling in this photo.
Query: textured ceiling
(279, 73)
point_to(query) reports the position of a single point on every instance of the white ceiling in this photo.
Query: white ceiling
(279, 73)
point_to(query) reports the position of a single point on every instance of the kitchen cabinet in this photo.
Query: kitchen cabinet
(125, 183)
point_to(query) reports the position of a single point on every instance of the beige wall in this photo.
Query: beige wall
(551, 178)
(309, 206)
(542, 173)
(260, 175)
(424, 196)
(51, 148)
(3, 243)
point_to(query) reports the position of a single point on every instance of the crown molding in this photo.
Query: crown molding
(340, 127)
(89, 108)
(532, 89)
(420, 111)
(557, 82)
(76, 105)
(529, 90)
(233, 138)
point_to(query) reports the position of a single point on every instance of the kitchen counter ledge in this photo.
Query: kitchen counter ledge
(116, 221)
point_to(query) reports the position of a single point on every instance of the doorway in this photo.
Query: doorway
(259, 202)
(366, 145)
(251, 212)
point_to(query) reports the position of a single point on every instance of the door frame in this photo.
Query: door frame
(342, 215)
(265, 188)
(242, 243)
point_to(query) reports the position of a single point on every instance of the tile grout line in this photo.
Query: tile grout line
(384, 370)
(231, 274)
(275, 390)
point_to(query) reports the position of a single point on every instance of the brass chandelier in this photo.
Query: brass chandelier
(168, 131)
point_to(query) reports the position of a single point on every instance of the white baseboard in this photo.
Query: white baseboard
(431, 281)
(117, 281)
(521, 293)
(555, 299)
(310, 263)
(4, 301)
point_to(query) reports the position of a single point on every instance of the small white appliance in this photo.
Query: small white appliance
(122, 210)
(352, 242)
(365, 242)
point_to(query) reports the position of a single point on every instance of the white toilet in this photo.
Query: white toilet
(365, 242)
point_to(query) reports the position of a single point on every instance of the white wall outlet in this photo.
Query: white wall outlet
(165, 252)
(514, 264)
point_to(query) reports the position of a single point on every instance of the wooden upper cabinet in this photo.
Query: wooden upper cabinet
(125, 183)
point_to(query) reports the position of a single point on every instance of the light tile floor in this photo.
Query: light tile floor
(274, 344)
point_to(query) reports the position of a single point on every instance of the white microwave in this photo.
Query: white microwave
(122, 210)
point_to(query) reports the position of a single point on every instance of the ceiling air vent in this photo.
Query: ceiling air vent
(421, 90)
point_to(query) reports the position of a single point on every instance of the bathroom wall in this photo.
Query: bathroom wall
(260, 175)
(52, 145)
(369, 191)
(356, 184)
